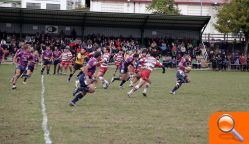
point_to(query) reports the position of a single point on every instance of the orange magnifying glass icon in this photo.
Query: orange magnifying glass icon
(226, 124)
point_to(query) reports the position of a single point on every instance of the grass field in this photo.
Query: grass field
(110, 117)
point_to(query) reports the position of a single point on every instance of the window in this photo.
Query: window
(33, 5)
(53, 6)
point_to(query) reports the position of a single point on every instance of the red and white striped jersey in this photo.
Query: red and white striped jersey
(118, 57)
(66, 56)
(150, 63)
(105, 58)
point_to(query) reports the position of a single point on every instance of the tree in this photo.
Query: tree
(234, 18)
(164, 7)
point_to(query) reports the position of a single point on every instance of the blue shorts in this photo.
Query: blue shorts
(82, 79)
(57, 62)
(21, 68)
(123, 68)
(181, 77)
(47, 62)
(31, 68)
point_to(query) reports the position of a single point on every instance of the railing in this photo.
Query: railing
(222, 37)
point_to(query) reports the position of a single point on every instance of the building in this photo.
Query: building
(186, 7)
(48, 4)
(122, 6)
(202, 8)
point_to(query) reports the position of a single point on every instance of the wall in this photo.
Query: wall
(12, 28)
(207, 10)
(119, 6)
(140, 7)
(29, 28)
(63, 3)
(107, 31)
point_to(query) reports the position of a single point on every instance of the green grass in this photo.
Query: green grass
(110, 117)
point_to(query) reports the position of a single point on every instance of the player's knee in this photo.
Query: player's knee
(147, 85)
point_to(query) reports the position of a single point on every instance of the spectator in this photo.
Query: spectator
(243, 62)
(183, 49)
(173, 50)
(163, 48)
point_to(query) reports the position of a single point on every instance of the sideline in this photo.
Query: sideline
(44, 114)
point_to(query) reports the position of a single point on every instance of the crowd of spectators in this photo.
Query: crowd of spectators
(167, 50)
(223, 61)
(157, 46)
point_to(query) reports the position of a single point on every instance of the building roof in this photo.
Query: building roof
(102, 19)
(191, 2)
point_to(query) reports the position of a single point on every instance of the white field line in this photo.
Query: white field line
(44, 114)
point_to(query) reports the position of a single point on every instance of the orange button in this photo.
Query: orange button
(229, 128)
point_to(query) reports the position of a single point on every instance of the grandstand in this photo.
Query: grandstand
(28, 21)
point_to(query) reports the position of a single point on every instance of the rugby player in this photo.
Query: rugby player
(181, 74)
(47, 59)
(21, 59)
(85, 83)
(79, 61)
(56, 60)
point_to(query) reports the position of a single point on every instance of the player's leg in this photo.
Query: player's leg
(124, 78)
(60, 68)
(75, 68)
(117, 67)
(146, 86)
(100, 75)
(18, 72)
(28, 73)
(48, 67)
(177, 86)
(135, 79)
(44, 66)
(65, 68)
(180, 79)
(122, 70)
(70, 66)
(82, 91)
(135, 88)
(131, 70)
(55, 66)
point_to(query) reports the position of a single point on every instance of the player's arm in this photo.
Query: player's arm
(52, 57)
(158, 64)
(85, 69)
(70, 57)
(15, 58)
(30, 59)
(181, 66)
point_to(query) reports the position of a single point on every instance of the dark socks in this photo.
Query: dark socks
(55, 69)
(42, 70)
(70, 76)
(25, 78)
(114, 79)
(77, 98)
(176, 87)
(47, 71)
(122, 82)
